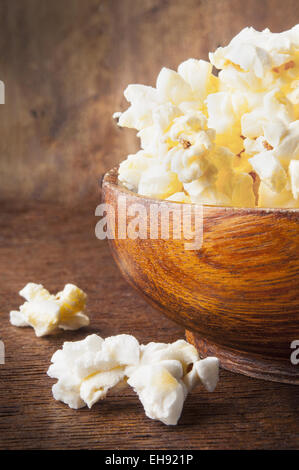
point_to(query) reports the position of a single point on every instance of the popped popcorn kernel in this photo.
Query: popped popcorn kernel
(48, 313)
(161, 374)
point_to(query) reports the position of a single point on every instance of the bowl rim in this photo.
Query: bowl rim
(110, 178)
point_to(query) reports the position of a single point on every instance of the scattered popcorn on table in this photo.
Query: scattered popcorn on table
(203, 137)
(46, 313)
(161, 374)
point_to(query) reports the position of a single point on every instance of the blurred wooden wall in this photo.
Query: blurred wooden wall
(65, 64)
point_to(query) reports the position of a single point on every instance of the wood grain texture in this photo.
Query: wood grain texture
(65, 64)
(239, 291)
(51, 245)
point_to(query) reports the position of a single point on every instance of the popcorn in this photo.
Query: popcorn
(208, 372)
(160, 390)
(256, 54)
(179, 197)
(221, 113)
(242, 191)
(142, 99)
(162, 380)
(269, 170)
(132, 169)
(274, 130)
(205, 134)
(48, 313)
(180, 350)
(171, 87)
(161, 374)
(260, 120)
(86, 370)
(288, 148)
(198, 74)
(188, 165)
(202, 193)
(157, 182)
(294, 175)
(271, 199)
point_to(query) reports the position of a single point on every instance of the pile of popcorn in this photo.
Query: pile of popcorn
(161, 374)
(231, 139)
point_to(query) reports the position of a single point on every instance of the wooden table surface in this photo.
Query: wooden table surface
(50, 245)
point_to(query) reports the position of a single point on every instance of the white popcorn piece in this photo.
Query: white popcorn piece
(179, 197)
(143, 99)
(193, 116)
(270, 199)
(47, 313)
(274, 131)
(131, 169)
(196, 188)
(180, 350)
(96, 387)
(42, 315)
(162, 380)
(257, 52)
(188, 165)
(191, 142)
(270, 171)
(294, 175)
(208, 372)
(72, 302)
(34, 291)
(172, 87)
(270, 119)
(160, 390)
(86, 370)
(204, 370)
(198, 74)
(69, 366)
(164, 114)
(212, 188)
(161, 374)
(221, 113)
(157, 182)
(288, 148)
(293, 95)
(254, 146)
(277, 104)
(252, 124)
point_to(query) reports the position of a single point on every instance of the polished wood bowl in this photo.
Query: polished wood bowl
(237, 295)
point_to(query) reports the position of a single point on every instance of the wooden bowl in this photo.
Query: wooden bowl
(237, 296)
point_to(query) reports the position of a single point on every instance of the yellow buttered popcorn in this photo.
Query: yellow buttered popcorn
(271, 199)
(229, 139)
(48, 313)
(161, 374)
(294, 176)
(157, 182)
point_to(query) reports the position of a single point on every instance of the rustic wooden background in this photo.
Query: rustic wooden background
(65, 64)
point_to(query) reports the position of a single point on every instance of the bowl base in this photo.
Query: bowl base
(236, 361)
